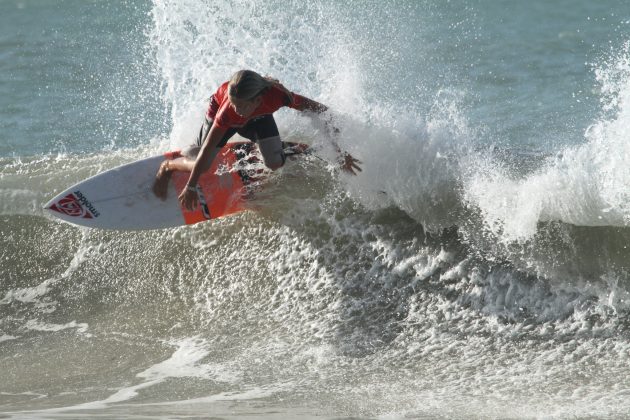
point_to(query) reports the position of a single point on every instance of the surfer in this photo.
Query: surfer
(243, 105)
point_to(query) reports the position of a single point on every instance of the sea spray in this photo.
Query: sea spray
(406, 291)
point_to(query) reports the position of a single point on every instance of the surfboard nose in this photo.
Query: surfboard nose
(76, 205)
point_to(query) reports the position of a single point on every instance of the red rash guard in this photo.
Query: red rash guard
(224, 116)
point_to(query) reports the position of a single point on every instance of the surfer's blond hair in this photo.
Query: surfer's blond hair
(247, 85)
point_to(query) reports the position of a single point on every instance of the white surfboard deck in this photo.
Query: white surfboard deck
(122, 198)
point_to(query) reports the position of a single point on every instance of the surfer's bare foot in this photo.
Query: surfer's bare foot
(160, 186)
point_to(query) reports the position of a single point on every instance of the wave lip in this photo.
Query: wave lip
(583, 185)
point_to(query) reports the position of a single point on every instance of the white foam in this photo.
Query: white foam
(27, 394)
(29, 294)
(35, 325)
(33, 294)
(585, 185)
(185, 362)
(6, 337)
(249, 394)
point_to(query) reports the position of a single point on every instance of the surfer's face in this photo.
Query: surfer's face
(244, 107)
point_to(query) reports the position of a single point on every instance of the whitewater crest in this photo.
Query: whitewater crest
(582, 185)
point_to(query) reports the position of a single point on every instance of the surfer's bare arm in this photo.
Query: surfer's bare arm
(307, 104)
(188, 198)
(347, 162)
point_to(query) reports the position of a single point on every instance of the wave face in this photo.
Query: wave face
(476, 268)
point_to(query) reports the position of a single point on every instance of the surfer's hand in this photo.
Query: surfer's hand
(188, 199)
(349, 164)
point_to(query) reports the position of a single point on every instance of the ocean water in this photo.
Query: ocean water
(477, 268)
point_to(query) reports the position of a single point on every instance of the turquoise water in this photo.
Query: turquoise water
(477, 267)
(67, 72)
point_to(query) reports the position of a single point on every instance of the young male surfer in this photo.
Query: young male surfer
(243, 105)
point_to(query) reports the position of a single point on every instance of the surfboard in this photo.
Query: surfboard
(122, 198)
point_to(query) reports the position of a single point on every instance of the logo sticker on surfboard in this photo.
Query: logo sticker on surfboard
(75, 205)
